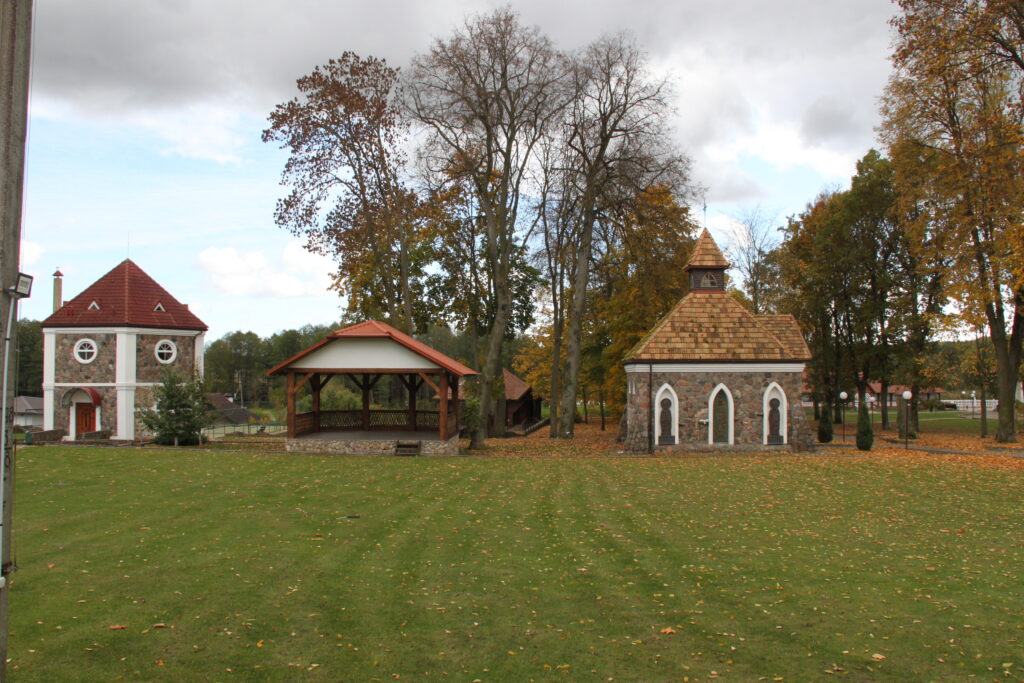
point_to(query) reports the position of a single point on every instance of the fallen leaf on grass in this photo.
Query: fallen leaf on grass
(668, 631)
(118, 627)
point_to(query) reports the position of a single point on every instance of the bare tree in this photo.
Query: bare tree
(615, 136)
(752, 250)
(485, 96)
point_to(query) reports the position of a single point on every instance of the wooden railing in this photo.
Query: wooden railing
(380, 420)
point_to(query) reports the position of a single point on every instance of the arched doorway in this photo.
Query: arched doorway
(84, 413)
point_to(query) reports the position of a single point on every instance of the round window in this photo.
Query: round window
(85, 350)
(166, 351)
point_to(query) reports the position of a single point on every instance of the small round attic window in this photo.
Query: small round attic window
(165, 351)
(85, 351)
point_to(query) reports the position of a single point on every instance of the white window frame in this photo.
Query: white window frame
(666, 390)
(775, 391)
(78, 349)
(174, 352)
(711, 415)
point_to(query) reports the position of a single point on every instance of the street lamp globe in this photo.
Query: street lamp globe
(907, 395)
(843, 395)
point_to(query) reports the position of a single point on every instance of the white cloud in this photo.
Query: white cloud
(293, 273)
(30, 253)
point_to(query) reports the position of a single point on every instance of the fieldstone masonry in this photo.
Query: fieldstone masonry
(368, 447)
(102, 369)
(148, 368)
(693, 391)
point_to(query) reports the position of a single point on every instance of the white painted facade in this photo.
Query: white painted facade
(363, 354)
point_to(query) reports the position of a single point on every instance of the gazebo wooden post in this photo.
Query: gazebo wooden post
(458, 404)
(315, 386)
(366, 402)
(411, 386)
(291, 404)
(442, 417)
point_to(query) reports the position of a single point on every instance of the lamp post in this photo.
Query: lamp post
(21, 289)
(973, 399)
(963, 399)
(906, 418)
(842, 412)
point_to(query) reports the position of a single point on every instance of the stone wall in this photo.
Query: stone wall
(101, 369)
(148, 368)
(367, 447)
(143, 399)
(693, 389)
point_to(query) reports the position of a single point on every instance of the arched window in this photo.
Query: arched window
(775, 409)
(721, 416)
(709, 281)
(666, 417)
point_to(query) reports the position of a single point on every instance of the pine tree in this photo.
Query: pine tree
(865, 435)
(825, 432)
(180, 411)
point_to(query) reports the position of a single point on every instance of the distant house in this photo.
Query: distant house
(28, 411)
(521, 406)
(226, 412)
(104, 351)
(895, 391)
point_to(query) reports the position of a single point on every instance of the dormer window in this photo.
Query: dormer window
(94, 306)
(159, 308)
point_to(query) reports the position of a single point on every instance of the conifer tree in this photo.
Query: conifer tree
(865, 435)
(180, 411)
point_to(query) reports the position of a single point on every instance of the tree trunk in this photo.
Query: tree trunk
(586, 412)
(884, 404)
(556, 374)
(407, 322)
(492, 360)
(600, 403)
(1008, 356)
(579, 302)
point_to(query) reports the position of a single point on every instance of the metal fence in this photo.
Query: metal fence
(220, 431)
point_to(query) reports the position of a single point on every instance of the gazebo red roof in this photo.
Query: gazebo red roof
(125, 296)
(377, 329)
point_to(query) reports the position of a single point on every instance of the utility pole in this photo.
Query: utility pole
(15, 53)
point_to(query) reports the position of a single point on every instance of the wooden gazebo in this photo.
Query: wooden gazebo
(365, 353)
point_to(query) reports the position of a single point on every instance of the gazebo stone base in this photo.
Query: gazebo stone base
(368, 446)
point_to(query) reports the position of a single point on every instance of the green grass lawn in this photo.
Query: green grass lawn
(950, 422)
(270, 567)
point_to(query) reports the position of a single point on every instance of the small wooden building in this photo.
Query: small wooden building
(365, 353)
(521, 407)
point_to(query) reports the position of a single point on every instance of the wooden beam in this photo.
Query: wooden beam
(432, 385)
(411, 386)
(316, 386)
(301, 384)
(365, 385)
(291, 405)
(442, 417)
(458, 405)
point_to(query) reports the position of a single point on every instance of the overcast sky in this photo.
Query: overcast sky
(146, 116)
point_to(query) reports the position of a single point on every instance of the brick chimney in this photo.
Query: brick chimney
(58, 290)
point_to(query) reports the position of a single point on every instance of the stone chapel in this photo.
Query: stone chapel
(711, 375)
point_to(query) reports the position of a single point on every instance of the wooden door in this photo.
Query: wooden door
(85, 419)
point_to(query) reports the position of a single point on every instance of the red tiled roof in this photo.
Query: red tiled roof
(374, 328)
(125, 296)
(706, 253)
(708, 326)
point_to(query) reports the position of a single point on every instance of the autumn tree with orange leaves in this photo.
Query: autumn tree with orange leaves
(954, 122)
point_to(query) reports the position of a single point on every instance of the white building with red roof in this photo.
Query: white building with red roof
(105, 349)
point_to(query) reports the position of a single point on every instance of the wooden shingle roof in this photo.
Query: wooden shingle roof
(710, 326)
(125, 296)
(706, 253)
